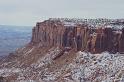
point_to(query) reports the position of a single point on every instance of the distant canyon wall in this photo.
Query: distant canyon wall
(79, 36)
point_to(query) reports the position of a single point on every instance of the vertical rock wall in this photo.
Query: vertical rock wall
(121, 42)
(81, 37)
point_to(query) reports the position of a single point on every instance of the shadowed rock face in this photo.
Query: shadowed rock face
(121, 46)
(80, 36)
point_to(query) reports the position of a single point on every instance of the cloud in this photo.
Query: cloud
(27, 12)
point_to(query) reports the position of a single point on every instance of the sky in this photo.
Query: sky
(28, 12)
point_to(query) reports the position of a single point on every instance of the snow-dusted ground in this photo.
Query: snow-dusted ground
(102, 67)
(111, 23)
(85, 67)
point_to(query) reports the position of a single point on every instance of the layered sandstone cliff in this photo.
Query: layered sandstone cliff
(54, 55)
(86, 35)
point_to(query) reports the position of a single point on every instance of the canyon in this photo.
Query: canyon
(69, 50)
(13, 37)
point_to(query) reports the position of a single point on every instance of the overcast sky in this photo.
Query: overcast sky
(28, 12)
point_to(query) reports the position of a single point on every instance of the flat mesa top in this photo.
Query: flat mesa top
(86, 20)
(101, 22)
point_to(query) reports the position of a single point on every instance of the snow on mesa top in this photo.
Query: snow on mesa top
(108, 23)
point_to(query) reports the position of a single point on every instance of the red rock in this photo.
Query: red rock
(78, 36)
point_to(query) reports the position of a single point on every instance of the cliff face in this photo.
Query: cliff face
(54, 55)
(79, 35)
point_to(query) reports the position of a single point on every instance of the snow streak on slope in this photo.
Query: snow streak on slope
(82, 66)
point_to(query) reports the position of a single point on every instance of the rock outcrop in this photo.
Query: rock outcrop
(80, 35)
(69, 50)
